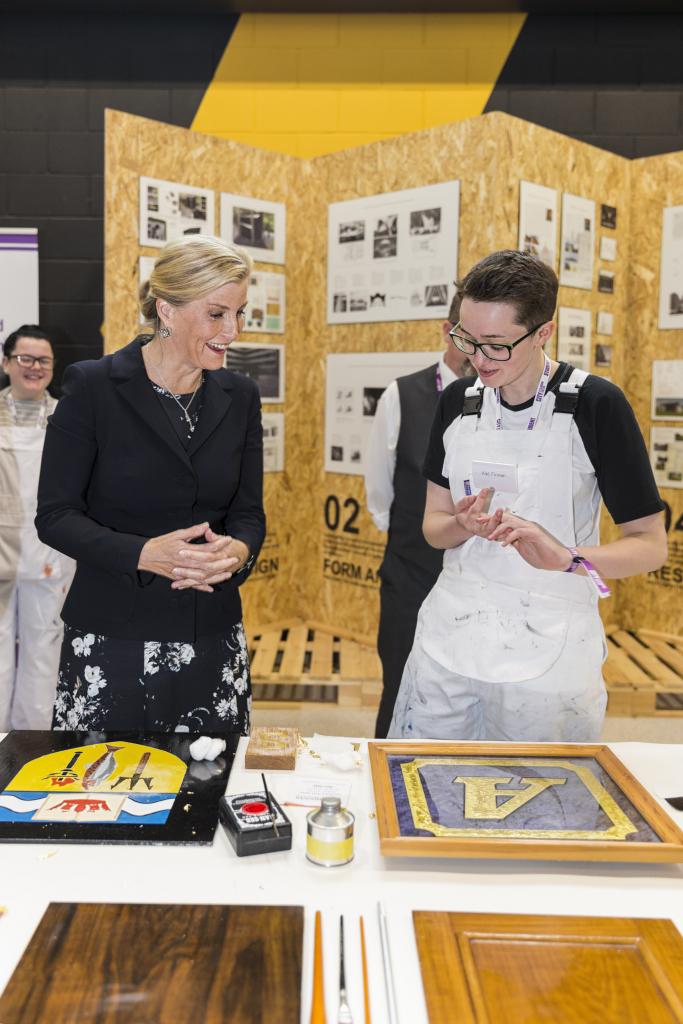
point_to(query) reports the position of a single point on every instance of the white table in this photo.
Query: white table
(32, 875)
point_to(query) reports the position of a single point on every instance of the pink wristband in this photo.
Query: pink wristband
(592, 573)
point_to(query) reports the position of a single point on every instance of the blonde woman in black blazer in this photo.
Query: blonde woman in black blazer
(152, 480)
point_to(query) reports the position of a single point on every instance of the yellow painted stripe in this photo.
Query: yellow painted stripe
(313, 84)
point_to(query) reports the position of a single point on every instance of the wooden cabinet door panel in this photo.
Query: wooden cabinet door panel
(519, 969)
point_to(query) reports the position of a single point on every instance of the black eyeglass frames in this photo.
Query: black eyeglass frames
(490, 349)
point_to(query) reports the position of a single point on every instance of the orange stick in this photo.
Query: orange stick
(318, 998)
(366, 987)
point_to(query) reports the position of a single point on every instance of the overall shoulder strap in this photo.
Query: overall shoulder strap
(567, 395)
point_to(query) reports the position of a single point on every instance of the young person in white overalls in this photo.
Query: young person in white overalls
(509, 643)
(34, 579)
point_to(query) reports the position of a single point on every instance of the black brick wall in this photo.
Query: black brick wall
(57, 74)
(615, 81)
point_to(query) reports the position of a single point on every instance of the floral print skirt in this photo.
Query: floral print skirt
(114, 685)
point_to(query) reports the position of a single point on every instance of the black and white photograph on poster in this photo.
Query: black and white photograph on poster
(608, 216)
(425, 222)
(666, 454)
(577, 247)
(603, 355)
(265, 364)
(436, 295)
(574, 337)
(170, 210)
(273, 442)
(256, 225)
(145, 267)
(605, 323)
(538, 222)
(606, 281)
(353, 231)
(371, 397)
(393, 256)
(608, 248)
(667, 389)
(266, 303)
(671, 270)
(18, 278)
(354, 385)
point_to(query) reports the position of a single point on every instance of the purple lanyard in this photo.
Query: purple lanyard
(439, 380)
(538, 398)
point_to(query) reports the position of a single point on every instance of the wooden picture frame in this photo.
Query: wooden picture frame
(611, 816)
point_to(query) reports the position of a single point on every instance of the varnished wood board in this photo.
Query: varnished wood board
(106, 963)
(522, 969)
(533, 801)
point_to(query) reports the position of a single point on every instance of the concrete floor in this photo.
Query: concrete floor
(336, 721)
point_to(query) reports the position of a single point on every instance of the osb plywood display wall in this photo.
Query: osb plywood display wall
(136, 146)
(489, 155)
(653, 601)
(324, 551)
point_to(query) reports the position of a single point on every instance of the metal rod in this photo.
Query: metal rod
(386, 963)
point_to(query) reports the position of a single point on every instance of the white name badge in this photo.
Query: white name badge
(500, 475)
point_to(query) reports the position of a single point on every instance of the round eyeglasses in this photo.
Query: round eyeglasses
(28, 362)
(490, 349)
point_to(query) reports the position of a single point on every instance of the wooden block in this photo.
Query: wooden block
(272, 748)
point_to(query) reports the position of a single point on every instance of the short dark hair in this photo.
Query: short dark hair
(515, 277)
(26, 331)
(454, 310)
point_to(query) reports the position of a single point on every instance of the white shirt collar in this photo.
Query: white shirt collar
(447, 375)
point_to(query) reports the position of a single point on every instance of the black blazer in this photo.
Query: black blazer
(114, 473)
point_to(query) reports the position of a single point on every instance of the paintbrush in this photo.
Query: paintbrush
(273, 815)
(344, 1012)
(364, 960)
(318, 997)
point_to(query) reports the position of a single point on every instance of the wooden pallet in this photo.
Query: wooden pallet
(296, 663)
(644, 673)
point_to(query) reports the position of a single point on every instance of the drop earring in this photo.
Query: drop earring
(164, 331)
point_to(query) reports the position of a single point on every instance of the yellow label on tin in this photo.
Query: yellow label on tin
(335, 853)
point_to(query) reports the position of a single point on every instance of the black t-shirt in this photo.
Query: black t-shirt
(608, 429)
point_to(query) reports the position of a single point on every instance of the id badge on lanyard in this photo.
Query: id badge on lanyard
(503, 476)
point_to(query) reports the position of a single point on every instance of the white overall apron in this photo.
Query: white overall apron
(494, 629)
(34, 580)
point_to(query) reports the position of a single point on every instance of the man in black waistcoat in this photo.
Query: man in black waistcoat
(395, 491)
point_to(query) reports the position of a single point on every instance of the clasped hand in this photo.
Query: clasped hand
(197, 566)
(530, 540)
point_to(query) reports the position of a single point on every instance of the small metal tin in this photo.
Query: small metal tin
(329, 838)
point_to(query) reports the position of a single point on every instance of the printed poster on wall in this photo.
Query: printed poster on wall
(256, 225)
(265, 364)
(578, 241)
(266, 304)
(145, 268)
(18, 279)
(354, 385)
(169, 210)
(273, 442)
(393, 256)
(574, 337)
(538, 221)
(671, 270)
(667, 389)
(666, 454)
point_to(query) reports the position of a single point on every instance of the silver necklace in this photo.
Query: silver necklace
(183, 408)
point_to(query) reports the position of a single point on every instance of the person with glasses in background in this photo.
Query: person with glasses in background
(395, 493)
(33, 577)
(509, 644)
